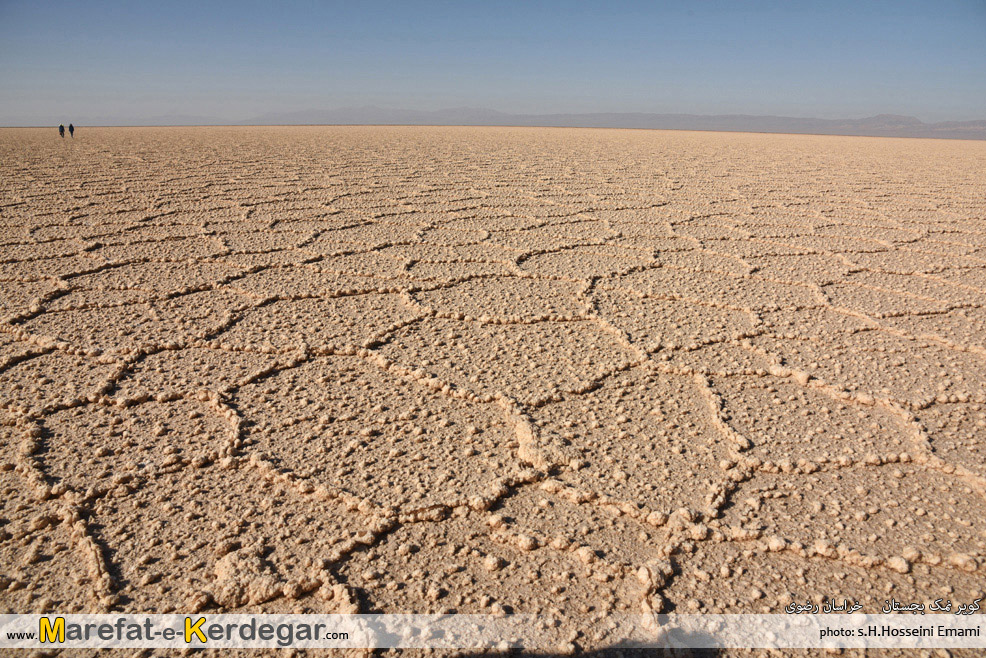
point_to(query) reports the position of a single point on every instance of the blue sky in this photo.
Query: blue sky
(235, 61)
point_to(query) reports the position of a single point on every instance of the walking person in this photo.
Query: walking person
(71, 130)
(61, 130)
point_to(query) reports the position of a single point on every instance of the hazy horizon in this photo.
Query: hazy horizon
(64, 62)
(259, 119)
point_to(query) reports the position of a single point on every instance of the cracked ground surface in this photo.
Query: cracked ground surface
(566, 372)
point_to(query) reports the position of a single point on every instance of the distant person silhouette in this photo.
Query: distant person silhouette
(71, 130)
(61, 131)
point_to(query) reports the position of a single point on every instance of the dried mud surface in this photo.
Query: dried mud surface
(566, 372)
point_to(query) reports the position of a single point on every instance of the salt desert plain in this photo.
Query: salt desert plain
(484, 370)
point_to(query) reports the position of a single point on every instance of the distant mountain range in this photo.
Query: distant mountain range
(883, 125)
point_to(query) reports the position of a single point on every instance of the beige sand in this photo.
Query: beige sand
(569, 372)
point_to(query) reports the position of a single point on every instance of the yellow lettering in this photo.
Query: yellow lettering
(194, 629)
(54, 633)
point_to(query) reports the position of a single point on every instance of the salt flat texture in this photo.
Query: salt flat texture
(554, 371)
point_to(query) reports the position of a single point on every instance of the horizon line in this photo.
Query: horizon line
(505, 125)
(876, 125)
